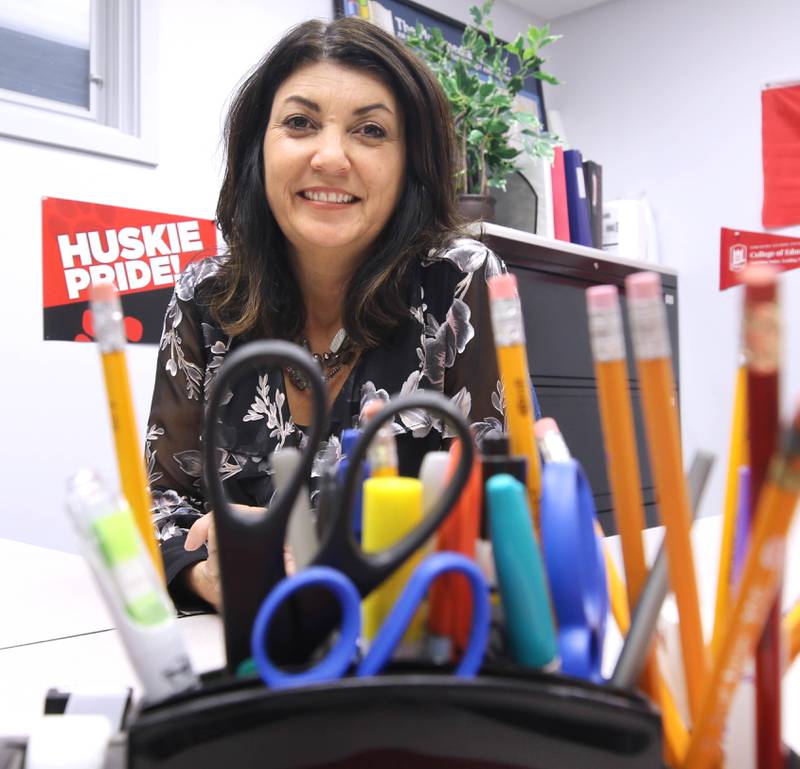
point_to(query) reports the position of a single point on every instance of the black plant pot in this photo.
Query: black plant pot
(475, 208)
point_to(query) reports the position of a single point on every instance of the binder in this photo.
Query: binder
(577, 203)
(560, 209)
(593, 178)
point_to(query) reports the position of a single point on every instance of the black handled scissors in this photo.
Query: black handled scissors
(251, 547)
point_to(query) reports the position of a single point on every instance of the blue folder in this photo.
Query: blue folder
(580, 229)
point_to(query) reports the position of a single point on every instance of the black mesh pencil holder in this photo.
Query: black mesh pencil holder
(409, 717)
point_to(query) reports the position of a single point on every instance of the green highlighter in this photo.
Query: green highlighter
(521, 575)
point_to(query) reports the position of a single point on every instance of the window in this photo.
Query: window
(80, 74)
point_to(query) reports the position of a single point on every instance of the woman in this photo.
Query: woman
(338, 209)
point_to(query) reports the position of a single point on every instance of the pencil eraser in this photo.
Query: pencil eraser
(602, 298)
(643, 285)
(760, 282)
(545, 425)
(371, 408)
(103, 291)
(502, 286)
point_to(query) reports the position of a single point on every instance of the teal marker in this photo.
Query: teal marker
(520, 575)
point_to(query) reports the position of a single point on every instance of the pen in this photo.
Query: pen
(142, 612)
(757, 591)
(737, 458)
(521, 575)
(382, 451)
(109, 332)
(742, 534)
(645, 614)
(762, 352)
(653, 356)
(349, 439)
(512, 362)
(449, 614)
(301, 534)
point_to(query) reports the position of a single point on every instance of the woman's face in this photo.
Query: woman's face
(334, 159)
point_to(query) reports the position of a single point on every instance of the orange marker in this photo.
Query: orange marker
(109, 332)
(653, 356)
(758, 589)
(512, 361)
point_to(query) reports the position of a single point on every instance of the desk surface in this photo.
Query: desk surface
(47, 594)
(63, 637)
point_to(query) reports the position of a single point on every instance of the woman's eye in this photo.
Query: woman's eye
(297, 122)
(372, 131)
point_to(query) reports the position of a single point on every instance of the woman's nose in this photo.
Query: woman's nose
(330, 153)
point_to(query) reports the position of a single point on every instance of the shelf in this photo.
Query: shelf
(516, 246)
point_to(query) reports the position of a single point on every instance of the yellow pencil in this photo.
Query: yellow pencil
(791, 626)
(737, 458)
(619, 437)
(758, 589)
(512, 362)
(653, 355)
(109, 332)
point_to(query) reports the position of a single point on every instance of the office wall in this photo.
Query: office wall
(53, 414)
(666, 96)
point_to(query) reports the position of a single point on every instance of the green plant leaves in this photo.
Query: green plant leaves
(481, 89)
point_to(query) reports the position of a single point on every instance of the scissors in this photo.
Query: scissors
(251, 546)
(575, 567)
(340, 657)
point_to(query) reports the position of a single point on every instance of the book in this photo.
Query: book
(381, 16)
(580, 230)
(593, 179)
(559, 188)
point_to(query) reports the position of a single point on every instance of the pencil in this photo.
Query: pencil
(652, 348)
(757, 591)
(762, 343)
(791, 626)
(737, 457)
(512, 362)
(554, 449)
(109, 331)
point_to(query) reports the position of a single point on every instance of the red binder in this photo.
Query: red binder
(560, 210)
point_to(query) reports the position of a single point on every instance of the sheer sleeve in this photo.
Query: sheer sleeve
(172, 445)
(473, 381)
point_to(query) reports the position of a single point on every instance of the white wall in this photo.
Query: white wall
(53, 414)
(666, 96)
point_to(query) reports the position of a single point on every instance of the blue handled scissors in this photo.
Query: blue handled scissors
(340, 657)
(251, 547)
(575, 567)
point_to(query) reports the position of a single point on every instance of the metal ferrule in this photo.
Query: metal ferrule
(554, 447)
(507, 322)
(649, 329)
(109, 326)
(606, 334)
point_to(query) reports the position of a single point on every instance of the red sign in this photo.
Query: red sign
(780, 136)
(142, 252)
(738, 248)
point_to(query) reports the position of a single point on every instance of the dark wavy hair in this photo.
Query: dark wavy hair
(256, 291)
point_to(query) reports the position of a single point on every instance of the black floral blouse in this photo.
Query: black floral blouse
(445, 344)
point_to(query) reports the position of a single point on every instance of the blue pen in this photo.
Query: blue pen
(349, 439)
(520, 574)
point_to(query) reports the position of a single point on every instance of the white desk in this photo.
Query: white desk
(47, 594)
(61, 634)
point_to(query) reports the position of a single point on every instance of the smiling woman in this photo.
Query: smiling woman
(338, 207)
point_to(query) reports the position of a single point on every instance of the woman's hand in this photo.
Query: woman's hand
(203, 578)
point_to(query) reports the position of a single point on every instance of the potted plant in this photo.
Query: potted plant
(477, 79)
